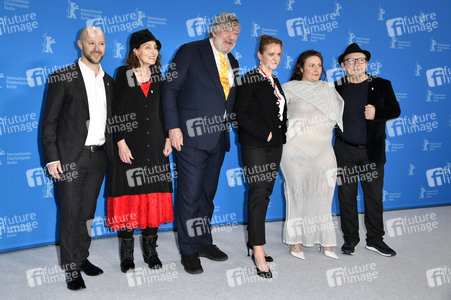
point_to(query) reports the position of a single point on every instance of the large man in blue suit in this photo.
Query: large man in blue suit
(197, 102)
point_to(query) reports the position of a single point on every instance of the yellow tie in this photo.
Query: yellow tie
(224, 75)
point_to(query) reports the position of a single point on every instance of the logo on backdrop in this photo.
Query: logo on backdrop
(18, 23)
(288, 61)
(417, 69)
(380, 14)
(119, 23)
(47, 44)
(438, 176)
(438, 47)
(289, 5)
(71, 8)
(417, 123)
(118, 47)
(438, 76)
(316, 26)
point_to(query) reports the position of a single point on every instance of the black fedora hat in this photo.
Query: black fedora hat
(353, 48)
(143, 36)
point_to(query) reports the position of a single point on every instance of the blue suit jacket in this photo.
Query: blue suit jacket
(193, 98)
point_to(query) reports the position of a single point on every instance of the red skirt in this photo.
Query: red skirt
(140, 211)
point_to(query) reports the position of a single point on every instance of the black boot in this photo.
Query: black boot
(150, 252)
(127, 246)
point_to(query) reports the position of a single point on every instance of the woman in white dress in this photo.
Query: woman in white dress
(308, 160)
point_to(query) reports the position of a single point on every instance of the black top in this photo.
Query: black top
(139, 120)
(355, 96)
(257, 111)
(382, 97)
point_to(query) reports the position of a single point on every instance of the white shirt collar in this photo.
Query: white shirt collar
(87, 71)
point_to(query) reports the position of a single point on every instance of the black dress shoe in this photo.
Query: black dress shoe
(212, 252)
(191, 264)
(90, 269)
(267, 257)
(264, 274)
(74, 281)
(348, 248)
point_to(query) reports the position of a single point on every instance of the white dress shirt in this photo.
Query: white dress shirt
(95, 89)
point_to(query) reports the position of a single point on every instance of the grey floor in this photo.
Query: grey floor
(421, 270)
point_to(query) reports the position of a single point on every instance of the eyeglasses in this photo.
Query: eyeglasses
(352, 61)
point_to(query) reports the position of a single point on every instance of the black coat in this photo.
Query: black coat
(257, 112)
(139, 121)
(382, 97)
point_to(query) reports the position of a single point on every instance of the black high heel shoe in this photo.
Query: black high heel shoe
(267, 257)
(264, 274)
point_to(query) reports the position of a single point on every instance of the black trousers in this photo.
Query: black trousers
(260, 167)
(78, 200)
(354, 166)
(197, 182)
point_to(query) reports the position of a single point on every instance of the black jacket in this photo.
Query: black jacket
(382, 97)
(257, 111)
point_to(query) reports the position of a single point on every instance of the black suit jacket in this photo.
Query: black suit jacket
(193, 98)
(64, 125)
(382, 97)
(257, 112)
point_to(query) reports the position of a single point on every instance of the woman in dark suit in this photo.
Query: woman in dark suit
(140, 182)
(261, 113)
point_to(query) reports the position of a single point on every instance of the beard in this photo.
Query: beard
(91, 59)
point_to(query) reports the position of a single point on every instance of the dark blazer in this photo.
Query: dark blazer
(64, 125)
(257, 112)
(382, 97)
(192, 96)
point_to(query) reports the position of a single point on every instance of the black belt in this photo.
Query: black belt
(351, 144)
(94, 148)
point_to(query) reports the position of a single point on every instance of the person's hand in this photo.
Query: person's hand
(55, 169)
(176, 137)
(167, 148)
(124, 152)
(269, 136)
(370, 112)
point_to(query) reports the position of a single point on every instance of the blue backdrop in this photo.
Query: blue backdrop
(409, 42)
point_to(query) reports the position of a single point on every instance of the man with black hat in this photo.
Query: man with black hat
(360, 149)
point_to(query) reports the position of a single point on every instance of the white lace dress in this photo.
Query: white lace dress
(308, 162)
